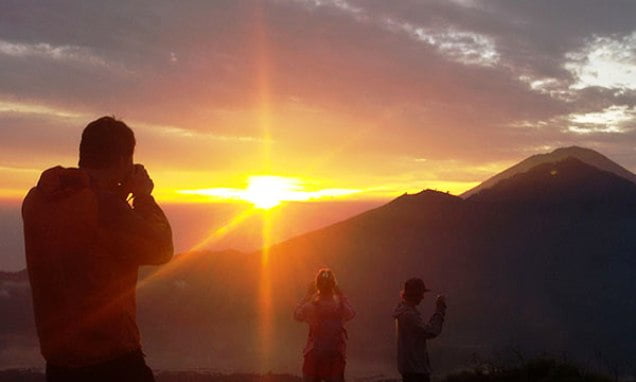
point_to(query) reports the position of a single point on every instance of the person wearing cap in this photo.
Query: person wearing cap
(413, 331)
(325, 308)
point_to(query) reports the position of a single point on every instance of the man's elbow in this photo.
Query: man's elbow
(431, 335)
(166, 255)
(161, 255)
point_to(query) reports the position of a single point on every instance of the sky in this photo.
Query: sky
(341, 99)
(372, 97)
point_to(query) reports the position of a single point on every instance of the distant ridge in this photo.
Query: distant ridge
(585, 155)
(426, 196)
(569, 181)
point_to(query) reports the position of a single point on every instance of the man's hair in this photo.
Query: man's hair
(104, 142)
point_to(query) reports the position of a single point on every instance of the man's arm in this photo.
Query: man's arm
(140, 234)
(433, 327)
(347, 310)
(302, 311)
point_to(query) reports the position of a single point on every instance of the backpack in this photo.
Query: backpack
(329, 333)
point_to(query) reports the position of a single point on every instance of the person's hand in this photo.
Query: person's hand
(441, 302)
(140, 183)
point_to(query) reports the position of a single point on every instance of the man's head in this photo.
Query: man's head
(325, 281)
(414, 290)
(106, 143)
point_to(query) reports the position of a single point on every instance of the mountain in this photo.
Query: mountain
(585, 155)
(543, 261)
(563, 183)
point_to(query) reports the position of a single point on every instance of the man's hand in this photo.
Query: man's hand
(140, 182)
(441, 302)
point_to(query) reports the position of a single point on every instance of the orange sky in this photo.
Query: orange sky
(376, 98)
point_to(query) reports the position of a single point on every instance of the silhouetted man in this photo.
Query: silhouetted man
(413, 331)
(84, 244)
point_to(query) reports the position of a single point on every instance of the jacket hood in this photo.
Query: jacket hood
(402, 308)
(59, 182)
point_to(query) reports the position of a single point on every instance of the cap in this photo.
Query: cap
(414, 287)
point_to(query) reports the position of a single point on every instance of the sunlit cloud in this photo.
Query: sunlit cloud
(26, 108)
(605, 61)
(466, 3)
(466, 47)
(175, 131)
(556, 88)
(457, 45)
(69, 53)
(341, 5)
(614, 119)
(266, 191)
(38, 109)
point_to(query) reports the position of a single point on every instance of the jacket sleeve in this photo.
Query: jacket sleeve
(347, 311)
(430, 329)
(302, 310)
(140, 233)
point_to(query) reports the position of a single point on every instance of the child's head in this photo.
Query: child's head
(325, 281)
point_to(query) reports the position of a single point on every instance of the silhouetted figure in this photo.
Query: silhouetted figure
(325, 309)
(84, 244)
(413, 331)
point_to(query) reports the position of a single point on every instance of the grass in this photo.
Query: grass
(535, 370)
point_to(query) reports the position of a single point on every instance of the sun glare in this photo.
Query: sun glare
(269, 191)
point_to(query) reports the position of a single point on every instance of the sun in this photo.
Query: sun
(266, 191)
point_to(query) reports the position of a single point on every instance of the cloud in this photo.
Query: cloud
(44, 50)
(608, 62)
(13, 107)
(460, 46)
(614, 119)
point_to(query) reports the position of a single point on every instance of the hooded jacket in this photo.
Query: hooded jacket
(412, 333)
(308, 310)
(83, 250)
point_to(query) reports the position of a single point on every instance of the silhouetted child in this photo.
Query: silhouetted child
(325, 309)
